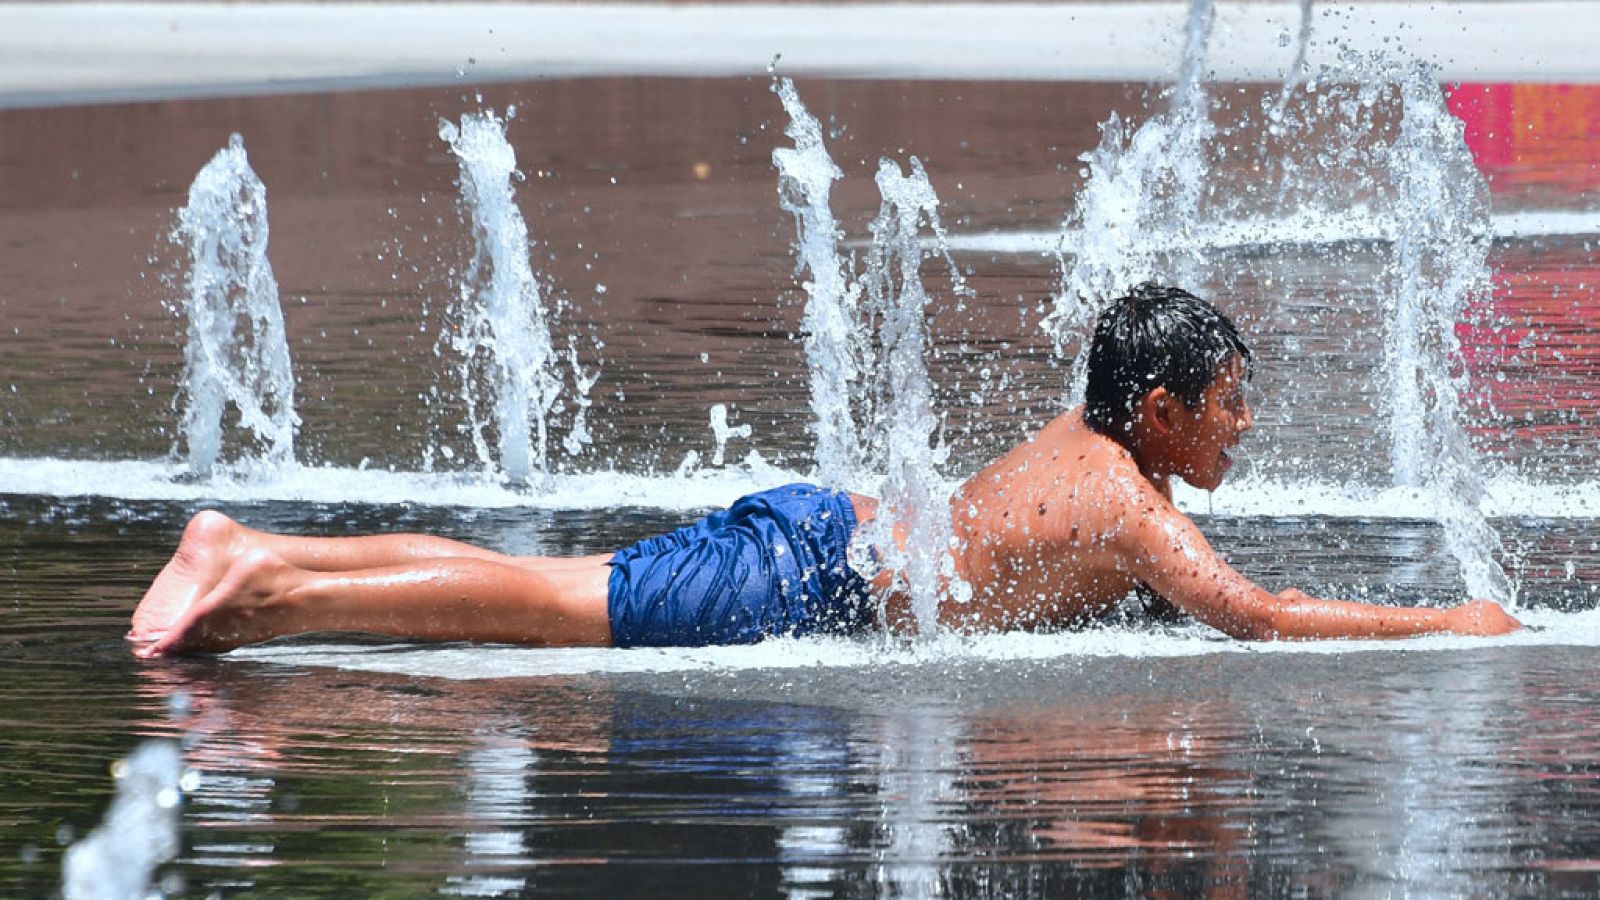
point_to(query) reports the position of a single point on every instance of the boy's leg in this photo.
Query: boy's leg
(212, 542)
(262, 596)
(211, 531)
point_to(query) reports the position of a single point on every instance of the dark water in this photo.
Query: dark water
(1142, 761)
(1458, 770)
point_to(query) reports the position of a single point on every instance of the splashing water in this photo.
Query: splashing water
(914, 500)
(870, 394)
(1139, 203)
(1296, 71)
(1440, 262)
(723, 432)
(1142, 215)
(1434, 207)
(835, 352)
(1191, 108)
(578, 436)
(139, 832)
(235, 352)
(503, 334)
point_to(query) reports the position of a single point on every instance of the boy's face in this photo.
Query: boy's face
(1205, 433)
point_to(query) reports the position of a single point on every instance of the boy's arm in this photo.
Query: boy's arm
(1166, 551)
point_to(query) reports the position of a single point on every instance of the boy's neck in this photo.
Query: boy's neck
(1145, 457)
(1149, 459)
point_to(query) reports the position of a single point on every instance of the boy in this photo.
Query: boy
(1054, 532)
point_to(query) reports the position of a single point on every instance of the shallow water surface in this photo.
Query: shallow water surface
(1134, 759)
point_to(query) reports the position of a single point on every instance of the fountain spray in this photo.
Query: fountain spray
(834, 343)
(1296, 72)
(914, 500)
(235, 351)
(866, 341)
(1439, 263)
(1138, 205)
(507, 359)
(1137, 219)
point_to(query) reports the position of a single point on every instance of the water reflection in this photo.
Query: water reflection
(1362, 775)
(1358, 772)
(1415, 818)
(1105, 783)
(811, 846)
(921, 814)
(498, 774)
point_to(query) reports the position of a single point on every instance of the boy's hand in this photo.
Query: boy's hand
(1480, 617)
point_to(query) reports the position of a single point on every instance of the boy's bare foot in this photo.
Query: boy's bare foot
(245, 607)
(201, 560)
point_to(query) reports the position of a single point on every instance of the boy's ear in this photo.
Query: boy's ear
(1157, 407)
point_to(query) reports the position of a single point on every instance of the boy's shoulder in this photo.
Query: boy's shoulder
(1071, 467)
(1086, 459)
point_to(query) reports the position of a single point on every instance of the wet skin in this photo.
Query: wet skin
(1062, 527)
(1052, 533)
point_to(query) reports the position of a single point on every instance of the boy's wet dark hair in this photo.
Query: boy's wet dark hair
(1156, 336)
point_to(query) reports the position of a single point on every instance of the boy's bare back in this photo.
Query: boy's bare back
(1042, 531)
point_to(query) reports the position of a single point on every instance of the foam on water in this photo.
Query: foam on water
(1546, 628)
(696, 489)
(1300, 227)
(163, 481)
(1504, 496)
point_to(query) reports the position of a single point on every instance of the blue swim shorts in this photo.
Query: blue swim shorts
(771, 564)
